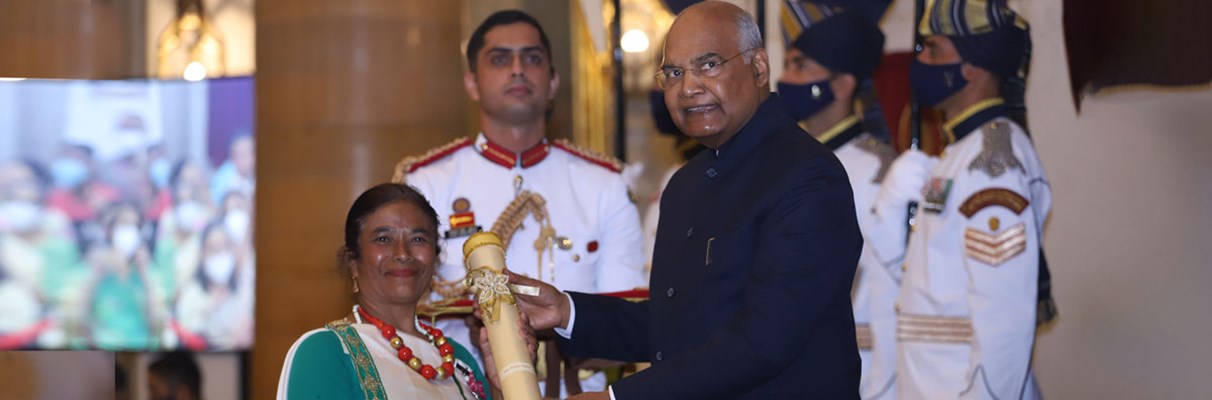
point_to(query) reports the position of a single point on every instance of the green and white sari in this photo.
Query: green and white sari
(351, 360)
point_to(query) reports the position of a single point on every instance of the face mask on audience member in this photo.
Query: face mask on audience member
(802, 101)
(126, 239)
(236, 224)
(19, 216)
(159, 172)
(191, 216)
(218, 267)
(934, 83)
(68, 172)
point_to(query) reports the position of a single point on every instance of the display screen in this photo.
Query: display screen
(126, 214)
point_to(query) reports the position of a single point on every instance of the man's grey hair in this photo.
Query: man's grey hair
(750, 36)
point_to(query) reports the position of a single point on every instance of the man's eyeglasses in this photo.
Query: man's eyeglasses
(709, 67)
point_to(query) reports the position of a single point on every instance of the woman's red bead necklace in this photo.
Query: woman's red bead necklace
(405, 354)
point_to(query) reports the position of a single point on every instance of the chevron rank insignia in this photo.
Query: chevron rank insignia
(995, 249)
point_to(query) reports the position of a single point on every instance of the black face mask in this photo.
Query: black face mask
(805, 100)
(934, 83)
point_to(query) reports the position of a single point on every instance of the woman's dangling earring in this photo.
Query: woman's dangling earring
(355, 288)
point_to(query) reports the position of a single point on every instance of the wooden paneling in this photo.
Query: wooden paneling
(69, 39)
(344, 90)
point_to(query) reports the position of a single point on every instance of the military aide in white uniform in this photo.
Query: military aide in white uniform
(830, 50)
(595, 238)
(967, 307)
(565, 213)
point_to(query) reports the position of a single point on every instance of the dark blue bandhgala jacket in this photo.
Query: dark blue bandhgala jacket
(756, 251)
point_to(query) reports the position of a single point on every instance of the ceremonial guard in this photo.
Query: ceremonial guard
(968, 300)
(830, 50)
(564, 213)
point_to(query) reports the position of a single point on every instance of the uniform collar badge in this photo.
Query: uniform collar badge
(501, 156)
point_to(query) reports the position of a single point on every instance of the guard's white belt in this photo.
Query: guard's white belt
(929, 328)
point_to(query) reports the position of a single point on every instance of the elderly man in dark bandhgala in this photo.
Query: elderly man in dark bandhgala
(755, 251)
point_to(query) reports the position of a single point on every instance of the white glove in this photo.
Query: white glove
(903, 183)
(632, 173)
(905, 179)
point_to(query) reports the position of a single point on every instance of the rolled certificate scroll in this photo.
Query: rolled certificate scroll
(485, 258)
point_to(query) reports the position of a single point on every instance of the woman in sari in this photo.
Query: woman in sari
(381, 350)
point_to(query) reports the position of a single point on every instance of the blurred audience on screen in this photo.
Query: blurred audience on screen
(144, 251)
(121, 313)
(238, 173)
(37, 247)
(106, 189)
(215, 302)
(78, 190)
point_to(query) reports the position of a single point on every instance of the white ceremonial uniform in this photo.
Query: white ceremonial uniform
(967, 307)
(596, 243)
(652, 216)
(865, 159)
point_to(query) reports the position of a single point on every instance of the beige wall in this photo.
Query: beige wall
(1128, 245)
(1129, 235)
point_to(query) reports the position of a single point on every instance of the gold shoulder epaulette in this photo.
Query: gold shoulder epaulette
(593, 156)
(881, 150)
(997, 150)
(411, 163)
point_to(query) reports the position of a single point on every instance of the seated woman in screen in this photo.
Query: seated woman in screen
(37, 243)
(381, 350)
(21, 313)
(217, 303)
(121, 313)
(178, 244)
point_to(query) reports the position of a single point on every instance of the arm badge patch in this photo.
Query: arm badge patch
(994, 197)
